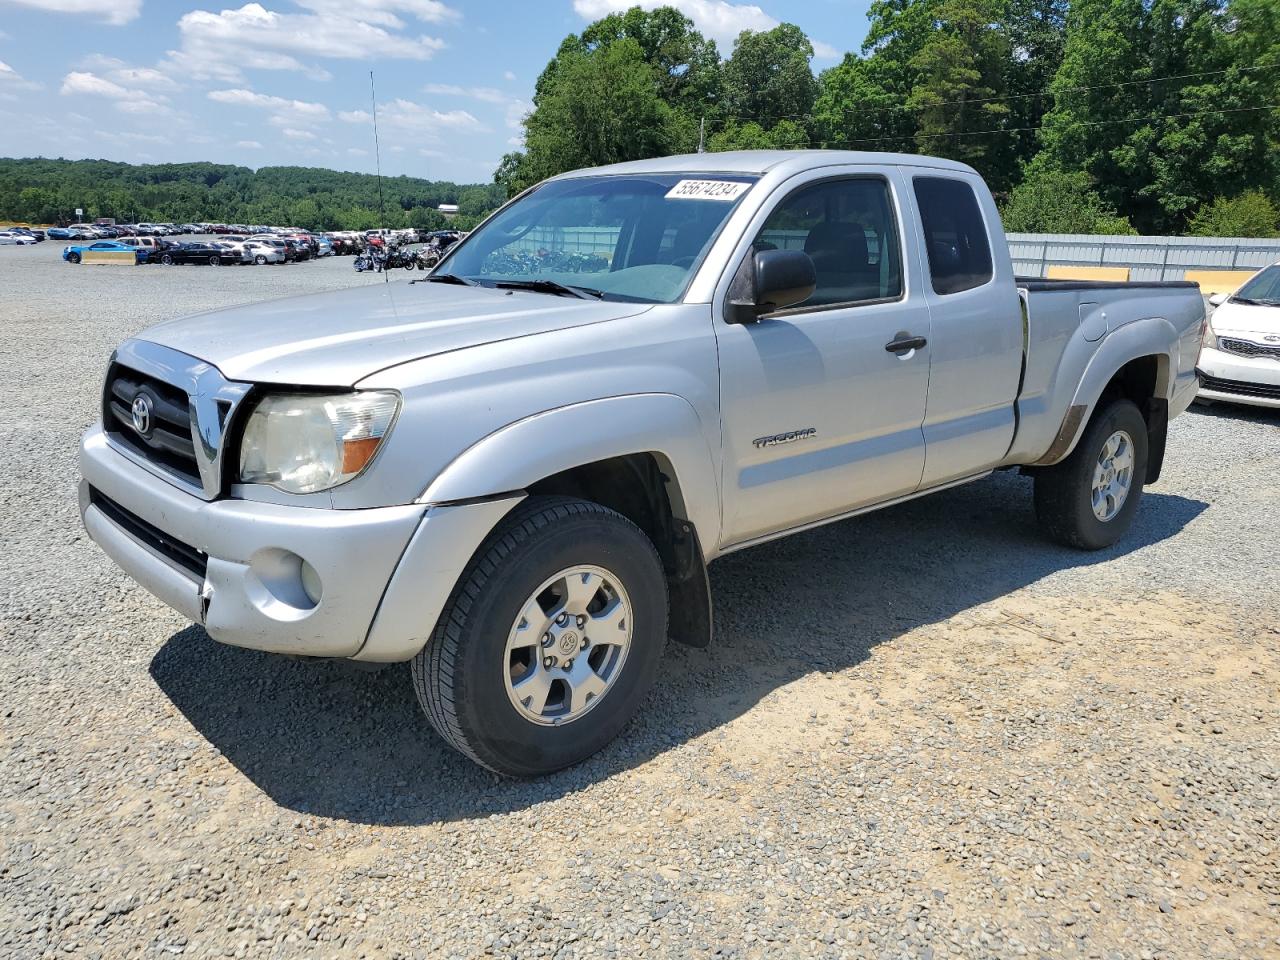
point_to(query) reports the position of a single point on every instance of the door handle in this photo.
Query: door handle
(902, 343)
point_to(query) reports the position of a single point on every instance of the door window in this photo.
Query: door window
(954, 233)
(849, 230)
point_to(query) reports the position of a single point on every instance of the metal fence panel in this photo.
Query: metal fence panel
(1149, 258)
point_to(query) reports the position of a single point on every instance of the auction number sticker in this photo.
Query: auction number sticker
(727, 190)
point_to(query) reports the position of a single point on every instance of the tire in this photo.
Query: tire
(215, 261)
(73, 258)
(167, 260)
(463, 675)
(260, 260)
(1064, 492)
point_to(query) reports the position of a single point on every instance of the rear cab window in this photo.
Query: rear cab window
(955, 234)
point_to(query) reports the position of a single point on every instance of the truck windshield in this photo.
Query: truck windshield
(637, 238)
(1264, 288)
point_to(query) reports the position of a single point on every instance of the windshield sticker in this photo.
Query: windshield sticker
(726, 190)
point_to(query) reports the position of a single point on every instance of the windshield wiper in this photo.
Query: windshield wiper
(447, 278)
(551, 286)
(1250, 301)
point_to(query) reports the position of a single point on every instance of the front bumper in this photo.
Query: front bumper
(1237, 379)
(385, 573)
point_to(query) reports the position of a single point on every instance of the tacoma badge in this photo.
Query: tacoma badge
(790, 436)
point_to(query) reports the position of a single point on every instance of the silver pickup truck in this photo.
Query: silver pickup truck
(514, 473)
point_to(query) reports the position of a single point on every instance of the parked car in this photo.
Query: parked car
(324, 247)
(75, 252)
(771, 341)
(11, 238)
(61, 233)
(194, 252)
(263, 251)
(298, 250)
(36, 235)
(146, 244)
(1240, 361)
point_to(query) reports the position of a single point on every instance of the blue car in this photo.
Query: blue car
(75, 251)
(61, 233)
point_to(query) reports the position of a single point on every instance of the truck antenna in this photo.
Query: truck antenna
(377, 159)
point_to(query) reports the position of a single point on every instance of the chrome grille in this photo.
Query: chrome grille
(187, 407)
(167, 441)
(1240, 388)
(1247, 348)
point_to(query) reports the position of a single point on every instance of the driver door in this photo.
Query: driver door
(819, 417)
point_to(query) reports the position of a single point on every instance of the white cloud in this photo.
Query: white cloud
(221, 45)
(83, 83)
(249, 98)
(718, 19)
(121, 72)
(407, 116)
(357, 152)
(249, 144)
(383, 12)
(294, 134)
(509, 76)
(484, 94)
(114, 12)
(10, 79)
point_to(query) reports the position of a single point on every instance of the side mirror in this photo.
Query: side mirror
(769, 281)
(1218, 299)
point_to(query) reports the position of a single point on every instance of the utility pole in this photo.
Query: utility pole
(702, 135)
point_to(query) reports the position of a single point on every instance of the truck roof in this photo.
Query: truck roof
(765, 161)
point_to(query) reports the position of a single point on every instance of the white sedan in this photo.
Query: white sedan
(1240, 360)
(9, 238)
(263, 251)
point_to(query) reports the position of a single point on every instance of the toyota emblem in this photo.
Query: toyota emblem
(141, 412)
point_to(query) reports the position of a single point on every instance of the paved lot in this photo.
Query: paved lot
(923, 733)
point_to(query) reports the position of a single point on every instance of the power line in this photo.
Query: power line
(1083, 123)
(902, 107)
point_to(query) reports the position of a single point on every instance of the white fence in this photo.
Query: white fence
(1148, 258)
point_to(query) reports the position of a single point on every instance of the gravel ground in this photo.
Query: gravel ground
(923, 733)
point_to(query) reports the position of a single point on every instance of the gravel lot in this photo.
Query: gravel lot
(923, 733)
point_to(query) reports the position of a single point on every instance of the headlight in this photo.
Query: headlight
(1210, 339)
(303, 443)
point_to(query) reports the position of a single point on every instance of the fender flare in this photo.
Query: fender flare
(518, 455)
(1141, 338)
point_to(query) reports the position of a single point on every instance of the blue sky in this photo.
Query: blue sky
(287, 81)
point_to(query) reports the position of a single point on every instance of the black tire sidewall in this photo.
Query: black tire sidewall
(489, 721)
(1092, 532)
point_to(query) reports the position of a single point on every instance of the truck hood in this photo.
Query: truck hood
(1250, 321)
(339, 338)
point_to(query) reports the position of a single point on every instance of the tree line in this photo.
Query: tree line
(1085, 116)
(50, 191)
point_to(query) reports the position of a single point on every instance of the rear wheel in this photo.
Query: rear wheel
(550, 641)
(259, 259)
(215, 261)
(167, 260)
(1089, 499)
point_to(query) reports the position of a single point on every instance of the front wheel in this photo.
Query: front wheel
(73, 258)
(1089, 499)
(260, 260)
(215, 261)
(550, 641)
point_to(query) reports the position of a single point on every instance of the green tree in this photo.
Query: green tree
(1252, 214)
(592, 107)
(1051, 201)
(785, 135)
(959, 85)
(768, 78)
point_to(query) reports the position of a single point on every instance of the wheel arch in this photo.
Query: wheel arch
(642, 455)
(1128, 365)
